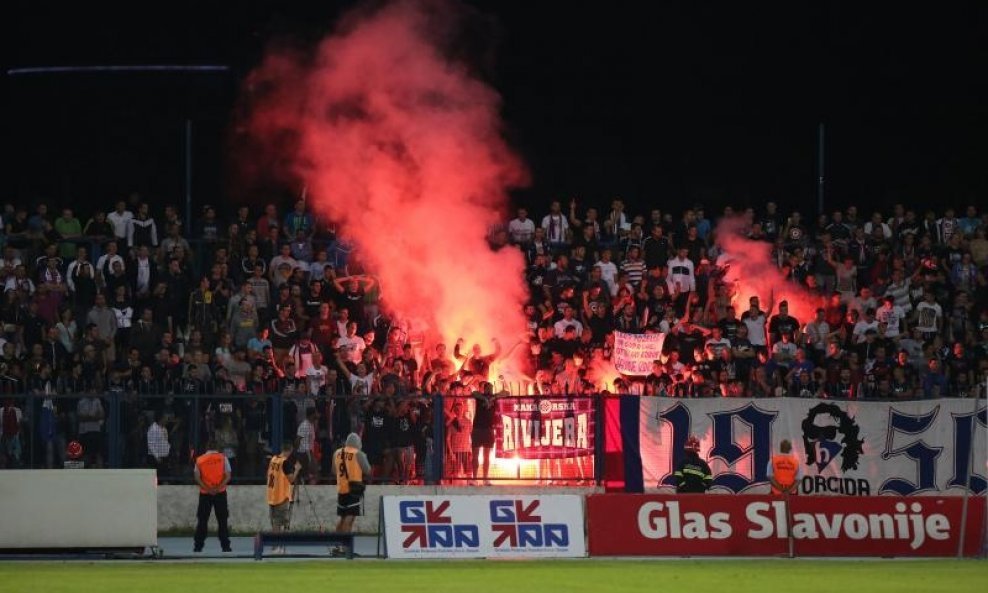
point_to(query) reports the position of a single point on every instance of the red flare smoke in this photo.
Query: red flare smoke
(753, 273)
(403, 148)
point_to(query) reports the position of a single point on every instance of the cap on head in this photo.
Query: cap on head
(353, 440)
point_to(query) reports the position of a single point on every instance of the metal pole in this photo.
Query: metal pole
(819, 168)
(188, 178)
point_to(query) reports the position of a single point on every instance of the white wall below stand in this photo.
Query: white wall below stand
(249, 508)
(93, 508)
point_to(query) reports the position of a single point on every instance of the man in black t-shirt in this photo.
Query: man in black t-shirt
(783, 323)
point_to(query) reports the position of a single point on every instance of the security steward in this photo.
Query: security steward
(283, 471)
(784, 471)
(693, 474)
(351, 466)
(212, 473)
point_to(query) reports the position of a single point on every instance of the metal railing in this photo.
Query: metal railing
(465, 440)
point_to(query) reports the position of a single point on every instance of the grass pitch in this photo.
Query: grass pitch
(592, 576)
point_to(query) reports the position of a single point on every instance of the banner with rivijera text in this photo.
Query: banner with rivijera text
(545, 428)
(859, 448)
(507, 526)
(703, 525)
(634, 354)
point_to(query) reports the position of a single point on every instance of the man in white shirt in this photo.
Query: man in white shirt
(104, 265)
(717, 342)
(559, 328)
(929, 316)
(19, 281)
(864, 301)
(75, 265)
(817, 334)
(899, 289)
(352, 345)
(9, 261)
(555, 224)
(862, 327)
(120, 219)
(876, 222)
(754, 319)
(681, 277)
(522, 228)
(608, 271)
(315, 375)
(158, 446)
(306, 434)
(891, 315)
(283, 257)
(142, 286)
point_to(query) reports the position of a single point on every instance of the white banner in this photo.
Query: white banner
(928, 447)
(509, 526)
(635, 353)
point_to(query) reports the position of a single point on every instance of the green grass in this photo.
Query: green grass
(596, 576)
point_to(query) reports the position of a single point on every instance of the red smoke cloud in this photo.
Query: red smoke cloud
(402, 146)
(754, 273)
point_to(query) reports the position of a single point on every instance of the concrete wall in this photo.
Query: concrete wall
(93, 508)
(249, 508)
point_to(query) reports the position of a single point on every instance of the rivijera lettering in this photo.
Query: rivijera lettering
(523, 433)
(764, 520)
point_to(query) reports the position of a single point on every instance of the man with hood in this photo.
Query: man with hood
(352, 468)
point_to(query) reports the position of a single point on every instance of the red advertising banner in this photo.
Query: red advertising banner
(557, 428)
(712, 525)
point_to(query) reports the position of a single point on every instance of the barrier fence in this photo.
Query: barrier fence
(625, 443)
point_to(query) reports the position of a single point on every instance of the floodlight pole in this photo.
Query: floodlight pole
(188, 178)
(820, 145)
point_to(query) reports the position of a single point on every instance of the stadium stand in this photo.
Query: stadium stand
(142, 340)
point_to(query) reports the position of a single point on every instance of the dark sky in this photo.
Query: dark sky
(660, 103)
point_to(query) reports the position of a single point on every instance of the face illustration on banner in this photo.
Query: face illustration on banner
(829, 433)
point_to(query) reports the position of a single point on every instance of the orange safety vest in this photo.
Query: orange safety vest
(211, 466)
(784, 467)
(347, 469)
(279, 487)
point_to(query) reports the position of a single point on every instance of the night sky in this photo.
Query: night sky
(667, 105)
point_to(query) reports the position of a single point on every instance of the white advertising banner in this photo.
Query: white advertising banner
(635, 353)
(508, 526)
(931, 447)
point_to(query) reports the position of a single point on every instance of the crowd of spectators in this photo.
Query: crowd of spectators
(900, 300)
(191, 330)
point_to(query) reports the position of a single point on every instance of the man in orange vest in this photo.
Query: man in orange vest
(784, 471)
(351, 466)
(283, 471)
(212, 474)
